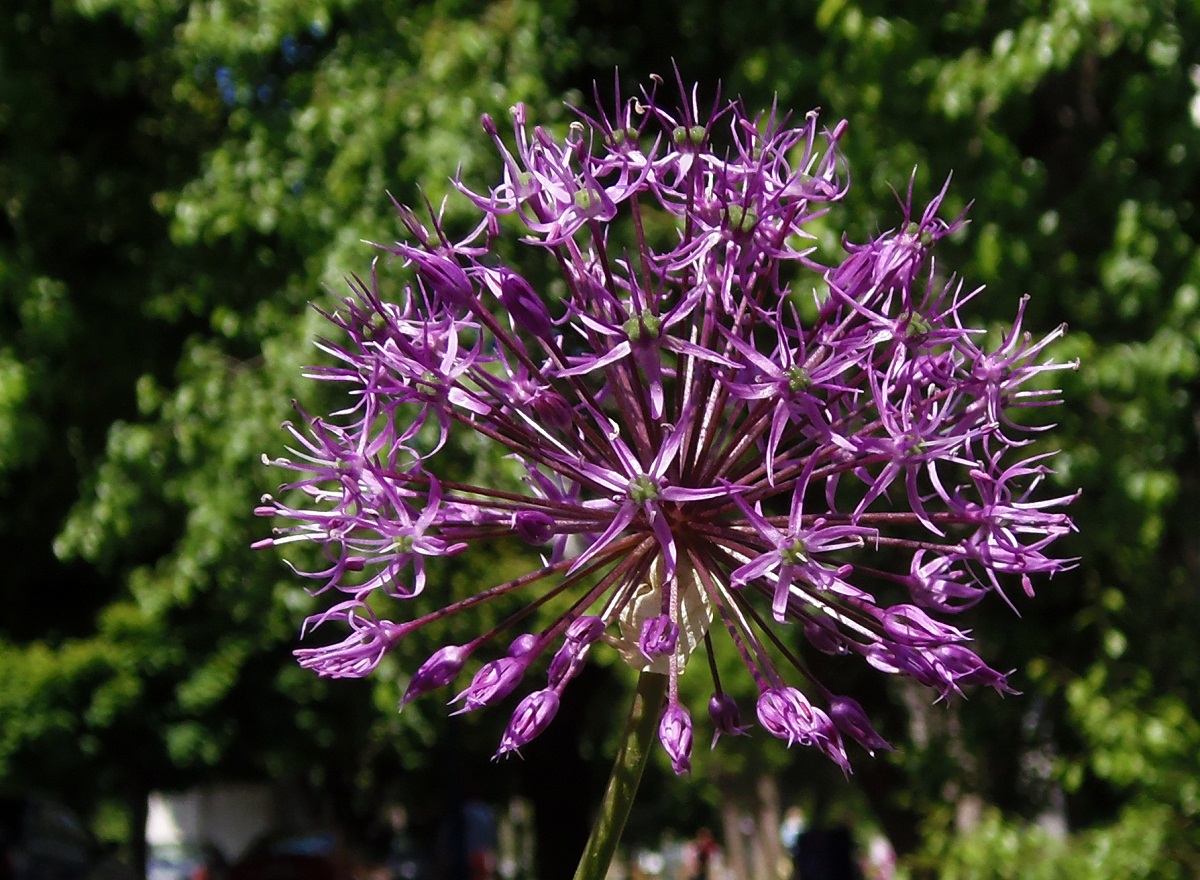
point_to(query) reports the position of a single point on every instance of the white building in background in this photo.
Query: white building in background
(229, 816)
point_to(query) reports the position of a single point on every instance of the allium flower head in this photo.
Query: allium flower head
(720, 437)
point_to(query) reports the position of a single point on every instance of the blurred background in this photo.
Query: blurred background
(178, 181)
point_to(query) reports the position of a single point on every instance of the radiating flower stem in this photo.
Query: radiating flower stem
(626, 776)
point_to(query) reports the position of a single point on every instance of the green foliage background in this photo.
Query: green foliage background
(179, 180)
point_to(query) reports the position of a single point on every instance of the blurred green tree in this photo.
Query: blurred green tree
(180, 181)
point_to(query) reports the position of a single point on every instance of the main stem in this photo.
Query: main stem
(626, 776)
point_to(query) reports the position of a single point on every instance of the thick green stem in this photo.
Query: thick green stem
(626, 776)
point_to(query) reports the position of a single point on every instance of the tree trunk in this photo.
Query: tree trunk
(735, 850)
(768, 824)
(137, 802)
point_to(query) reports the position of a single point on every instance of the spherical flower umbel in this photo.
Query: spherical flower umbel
(719, 436)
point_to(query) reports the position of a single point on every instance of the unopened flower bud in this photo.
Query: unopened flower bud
(534, 526)
(823, 635)
(726, 719)
(552, 408)
(566, 663)
(586, 629)
(851, 720)
(444, 276)
(894, 658)
(493, 682)
(675, 733)
(786, 714)
(522, 645)
(963, 666)
(528, 310)
(532, 716)
(438, 670)
(909, 625)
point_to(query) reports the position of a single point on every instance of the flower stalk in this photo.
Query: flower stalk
(634, 752)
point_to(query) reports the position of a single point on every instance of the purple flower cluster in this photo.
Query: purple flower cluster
(715, 432)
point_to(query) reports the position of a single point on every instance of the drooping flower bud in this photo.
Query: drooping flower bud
(586, 629)
(911, 626)
(493, 682)
(438, 670)
(532, 716)
(786, 714)
(851, 720)
(522, 645)
(675, 733)
(567, 662)
(825, 737)
(893, 658)
(823, 634)
(726, 719)
(552, 408)
(963, 666)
